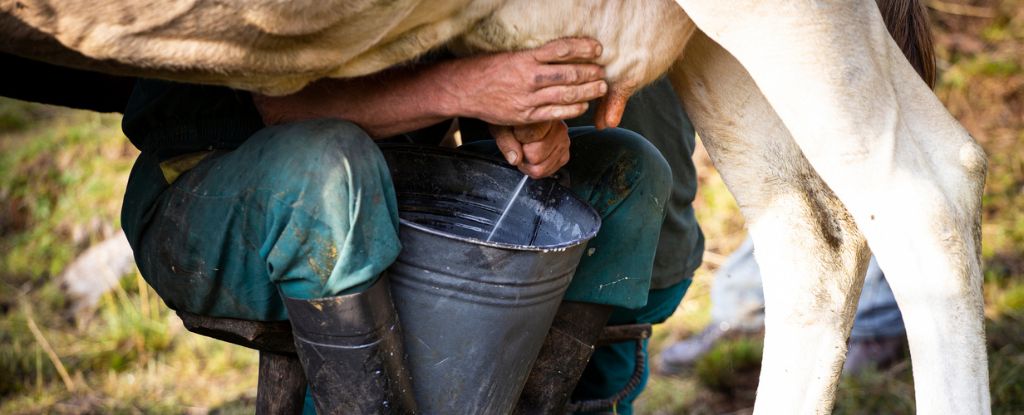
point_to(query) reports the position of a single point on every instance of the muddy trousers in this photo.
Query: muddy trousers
(308, 210)
(304, 210)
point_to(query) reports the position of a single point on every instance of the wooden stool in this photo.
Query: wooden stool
(281, 384)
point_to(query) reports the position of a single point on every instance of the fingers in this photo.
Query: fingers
(552, 82)
(568, 74)
(537, 159)
(531, 132)
(556, 112)
(571, 94)
(543, 158)
(511, 148)
(541, 148)
(568, 50)
(557, 158)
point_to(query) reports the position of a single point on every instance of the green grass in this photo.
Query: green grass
(76, 153)
(729, 365)
(62, 178)
(134, 357)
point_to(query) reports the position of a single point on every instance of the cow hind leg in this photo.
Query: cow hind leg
(909, 175)
(811, 255)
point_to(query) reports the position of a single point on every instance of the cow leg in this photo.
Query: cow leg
(910, 176)
(811, 255)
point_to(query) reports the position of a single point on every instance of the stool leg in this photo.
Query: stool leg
(282, 385)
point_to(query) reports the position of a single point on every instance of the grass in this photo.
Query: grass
(62, 178)
(63, 173)
(135, 357)
(76, 152)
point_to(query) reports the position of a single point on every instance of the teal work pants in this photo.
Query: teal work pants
(308, 210)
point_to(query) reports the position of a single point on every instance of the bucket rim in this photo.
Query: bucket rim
(453, 153)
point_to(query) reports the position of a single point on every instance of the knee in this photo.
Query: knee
(335, 215)
(322, 152)
(323, 142)
(635, 166)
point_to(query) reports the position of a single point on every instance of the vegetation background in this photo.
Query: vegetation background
(63, 173)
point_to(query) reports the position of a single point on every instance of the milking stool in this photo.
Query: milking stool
(282, 385)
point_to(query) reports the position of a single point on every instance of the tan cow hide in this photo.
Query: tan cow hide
(273, 47)
(277, 47)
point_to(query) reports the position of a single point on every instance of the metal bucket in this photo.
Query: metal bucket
(475, 313)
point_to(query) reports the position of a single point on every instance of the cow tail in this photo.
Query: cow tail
(907, 21)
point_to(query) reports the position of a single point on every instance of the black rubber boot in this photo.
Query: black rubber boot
(350, 347)
(564, 355)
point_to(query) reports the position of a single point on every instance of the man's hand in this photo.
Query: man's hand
(552, 82)
(538, 150)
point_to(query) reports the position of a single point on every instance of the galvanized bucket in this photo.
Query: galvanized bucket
(475, 313)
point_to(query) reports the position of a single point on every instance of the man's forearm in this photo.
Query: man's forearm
(394, 102)
(552, 82)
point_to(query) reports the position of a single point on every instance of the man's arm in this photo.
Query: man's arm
(553, 82)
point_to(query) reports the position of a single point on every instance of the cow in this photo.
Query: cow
(832, 145)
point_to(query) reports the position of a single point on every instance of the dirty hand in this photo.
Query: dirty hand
(552, 82)
(538, 149)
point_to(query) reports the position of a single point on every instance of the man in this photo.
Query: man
(267, 208)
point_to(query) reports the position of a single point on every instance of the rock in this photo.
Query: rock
(95, 272)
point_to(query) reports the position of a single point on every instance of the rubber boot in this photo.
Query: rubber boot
(564, 355)
(350, 347)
